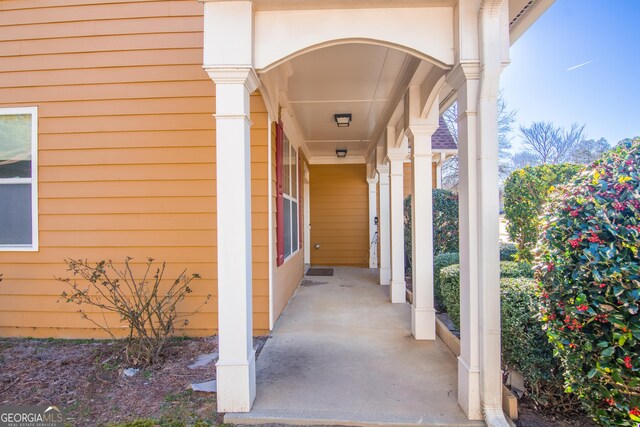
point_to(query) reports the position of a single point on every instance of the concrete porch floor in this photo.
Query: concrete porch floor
(342, 354)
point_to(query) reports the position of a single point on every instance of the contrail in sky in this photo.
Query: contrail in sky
(580, 65)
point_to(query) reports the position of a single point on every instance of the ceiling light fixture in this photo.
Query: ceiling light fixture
(341, 153)
(342, 120)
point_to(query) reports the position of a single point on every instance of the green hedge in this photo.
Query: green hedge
(439, 262)
(445, 225)
(508, 251)
(450, 284)
(525, 347)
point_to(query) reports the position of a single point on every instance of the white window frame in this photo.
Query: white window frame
(33, 111)
(293, 153)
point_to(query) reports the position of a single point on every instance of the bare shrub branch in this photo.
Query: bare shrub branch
(149, 312)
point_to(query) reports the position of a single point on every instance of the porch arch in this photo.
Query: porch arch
(353, 40)
(282, 35)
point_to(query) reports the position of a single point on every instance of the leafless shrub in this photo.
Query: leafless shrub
(148, 311)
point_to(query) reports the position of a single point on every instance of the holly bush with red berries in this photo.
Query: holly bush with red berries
(588, 268)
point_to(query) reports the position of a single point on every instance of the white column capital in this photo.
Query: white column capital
(372, 182)
(397, 155)
(462, 72)
(383, 173)
(235, 75)
(396, 163)
(422, 128)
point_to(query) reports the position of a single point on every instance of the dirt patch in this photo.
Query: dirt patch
(85, 379)
(531, 416)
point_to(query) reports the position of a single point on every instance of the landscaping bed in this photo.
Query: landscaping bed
(85, 379)
(529, 415)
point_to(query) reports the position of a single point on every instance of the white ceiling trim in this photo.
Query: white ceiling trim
(328, 101)
(334, 160)
(405, 75)
(292, 131)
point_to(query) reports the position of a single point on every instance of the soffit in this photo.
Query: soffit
(352, 78)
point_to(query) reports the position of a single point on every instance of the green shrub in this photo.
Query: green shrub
(445, 221)
(525, 191)
(509, 269)
(589, 269)
(408, 237)
(525, 348)
(445, 224)
(439, 262)
(450, 284)
(450, 291)
(508, 252)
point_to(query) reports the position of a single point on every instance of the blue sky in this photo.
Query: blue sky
(603, 94)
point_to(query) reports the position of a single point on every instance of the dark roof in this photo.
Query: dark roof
(442, 139)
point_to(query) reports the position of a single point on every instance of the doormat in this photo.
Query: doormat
(320, 272)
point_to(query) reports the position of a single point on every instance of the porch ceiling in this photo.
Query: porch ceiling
(353, 78)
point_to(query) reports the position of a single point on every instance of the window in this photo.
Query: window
(18, 179)
(290, 195)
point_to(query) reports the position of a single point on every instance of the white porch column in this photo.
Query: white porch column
(228, 59)
(423, 314)
(469, 359)
(373, 226)
(396, 201)
(384, 224)
(494, 50)
(441, 158)
(235, 370)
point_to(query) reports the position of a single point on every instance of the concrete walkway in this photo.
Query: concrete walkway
(342, 354)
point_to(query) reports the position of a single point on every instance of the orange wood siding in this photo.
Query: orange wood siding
(339, 214)
(126, 153)
(407, 177)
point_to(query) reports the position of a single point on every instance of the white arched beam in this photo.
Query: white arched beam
(283, 34)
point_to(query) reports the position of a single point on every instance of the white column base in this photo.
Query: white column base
(236, 385)
(385, 276)
(469, 390)
(423, 323)
(398, 292)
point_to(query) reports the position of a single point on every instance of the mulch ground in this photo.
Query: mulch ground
(531, 416)
(84, 378)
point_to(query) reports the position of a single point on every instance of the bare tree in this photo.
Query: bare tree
(569, 141)
(541, 138)
(550, 143)
(588, 150)
(524, 158)
(506, 118)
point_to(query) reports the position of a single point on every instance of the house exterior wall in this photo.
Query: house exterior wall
(126, 154)
(407, 178)
(339, 214)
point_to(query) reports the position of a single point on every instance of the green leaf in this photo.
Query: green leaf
(608, 352)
